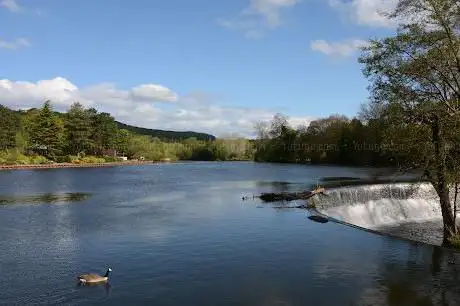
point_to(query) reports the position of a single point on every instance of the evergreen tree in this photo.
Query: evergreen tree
(104, 132)
(9, 125)
(78, 129)
(46, 132)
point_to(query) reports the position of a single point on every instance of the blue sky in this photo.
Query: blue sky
(213, 66)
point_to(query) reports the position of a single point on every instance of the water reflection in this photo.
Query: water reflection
(92, 288)
(425, 277)
(48, 198)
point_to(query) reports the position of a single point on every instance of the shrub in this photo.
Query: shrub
(18, 159)
(89, 160)
(92, 160)
(71, 158)
(111, 159)
(14, 157)
(66, 158)
(59, 159)
(37, 160)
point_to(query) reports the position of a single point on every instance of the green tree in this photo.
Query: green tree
(121, 141)
(103, 132)
(46, 132)
(415, 74)
(27, 118)
(9, 126)
(78, 129)
(276, 141)
(220, 149)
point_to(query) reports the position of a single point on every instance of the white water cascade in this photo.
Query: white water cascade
(374, 206)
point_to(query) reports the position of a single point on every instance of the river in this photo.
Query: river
(180, 234)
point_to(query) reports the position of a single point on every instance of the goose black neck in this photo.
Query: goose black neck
(107, 273)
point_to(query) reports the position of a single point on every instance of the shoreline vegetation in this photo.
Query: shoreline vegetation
(85, 136)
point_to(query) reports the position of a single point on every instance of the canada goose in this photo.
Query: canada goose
(94, 278)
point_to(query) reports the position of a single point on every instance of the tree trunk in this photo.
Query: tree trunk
(455, 200)
(447, 215)
(440, 183)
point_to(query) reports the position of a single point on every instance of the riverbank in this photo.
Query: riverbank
(72, 165)
(96, 165)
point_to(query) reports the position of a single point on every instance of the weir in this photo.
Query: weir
(374, 206)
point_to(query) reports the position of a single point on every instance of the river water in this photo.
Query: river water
(180, 234)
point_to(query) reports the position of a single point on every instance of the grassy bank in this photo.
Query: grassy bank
(15, 157)
(11, 160)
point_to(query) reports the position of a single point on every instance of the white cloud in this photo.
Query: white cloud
(10, 5)
(366, 12)
(141, 105)
(342, 49)
(16, 44)
(154, 92)
(258, 17)
(33, 93)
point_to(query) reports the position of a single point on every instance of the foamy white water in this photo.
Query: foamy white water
(374, 206)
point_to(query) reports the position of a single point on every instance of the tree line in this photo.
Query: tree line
(43, 135)
(332, 140)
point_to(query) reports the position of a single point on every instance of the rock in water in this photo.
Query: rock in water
(319, 219)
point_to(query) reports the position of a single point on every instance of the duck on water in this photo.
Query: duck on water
(93, 278)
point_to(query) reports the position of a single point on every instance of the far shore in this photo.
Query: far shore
(95, 165)
(84, 165)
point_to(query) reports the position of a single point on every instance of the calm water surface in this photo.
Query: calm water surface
(180, 234)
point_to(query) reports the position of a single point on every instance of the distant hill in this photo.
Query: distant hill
(165, 135)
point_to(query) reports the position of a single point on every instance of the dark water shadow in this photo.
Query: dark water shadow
(421, 279)
(46, 198)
